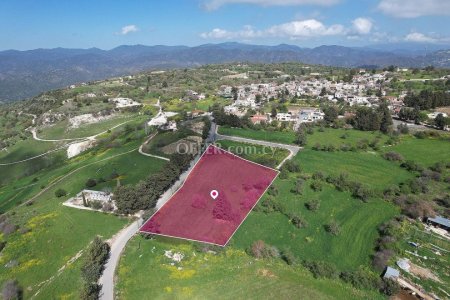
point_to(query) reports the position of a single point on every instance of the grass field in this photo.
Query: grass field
(423, 151)
(52, 234)
(27, 149)
(145, 273)
(328, 136)
(365, 167)
(287, 137)
(349, 250)
(267, 156)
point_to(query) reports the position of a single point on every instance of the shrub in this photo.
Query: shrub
(292, 166)
(393, 156)
(60, 193)
(411, 166)
(316, 185)
(389, 287)
(298, 221)
(288, 257)
(321, 269)
(259, 249)
(298, 189)
(333, 228)
(361, 279)
(317, 147)
(361, 192)
(318, 176)
(90, 183)
(381, 257)
(391, 191)
(313, 205)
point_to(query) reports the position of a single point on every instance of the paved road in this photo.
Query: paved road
(291, 148)
(118, 243)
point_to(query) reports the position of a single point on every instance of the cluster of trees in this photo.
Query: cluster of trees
(342, 183)
(369, 119)
(93, 265)
(130, 199)
(427, 99)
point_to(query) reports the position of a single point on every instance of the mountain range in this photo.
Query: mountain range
(27, 73)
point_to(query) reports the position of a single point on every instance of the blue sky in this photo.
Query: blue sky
(30, 24)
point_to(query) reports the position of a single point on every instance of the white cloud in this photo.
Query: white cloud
(215, 4)
(217, 33)
(414, 8)
(293, 30)
(306, 28)
(128, 29)
(419, 38)
(362, 26)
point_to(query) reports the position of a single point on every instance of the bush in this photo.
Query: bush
(393, 156)
(292, 166)
(411, 166)
(298, 221)
(333, 228)
(322, 269)
(288, 257)
(318, 176)
(361, 279)
(361, 192)
(389, 287)
(313, 205)
(90, 183)
(60, 193)
(259, 249)
(316, 185)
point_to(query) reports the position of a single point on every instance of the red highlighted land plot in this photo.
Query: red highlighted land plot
(192, 214)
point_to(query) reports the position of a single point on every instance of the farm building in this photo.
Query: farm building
(391, 273)
(440, 222)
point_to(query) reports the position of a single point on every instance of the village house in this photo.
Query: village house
(310, 115)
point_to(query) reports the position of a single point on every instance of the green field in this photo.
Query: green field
(51, 234)
(27, 149)
(365, 167)
(145, 273)
(267, 156)
(287, 137)
(423, 151)
(349, 250)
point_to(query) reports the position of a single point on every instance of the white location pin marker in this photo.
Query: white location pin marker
(214, 194)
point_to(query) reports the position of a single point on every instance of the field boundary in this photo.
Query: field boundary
(243, 220)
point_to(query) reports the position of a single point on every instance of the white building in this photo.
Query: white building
(284, 117)
(310, 115)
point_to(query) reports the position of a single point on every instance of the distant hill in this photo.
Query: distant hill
(26, 73)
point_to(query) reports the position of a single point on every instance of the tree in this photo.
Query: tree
(95, 258)
(90, 183)
(60, 193)
(11, 290)
(333, 228)
(386, 119)
(300, 136)
(234, 92)
(440, 121)
(331, 114)
(323, 92)
(367, 119)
